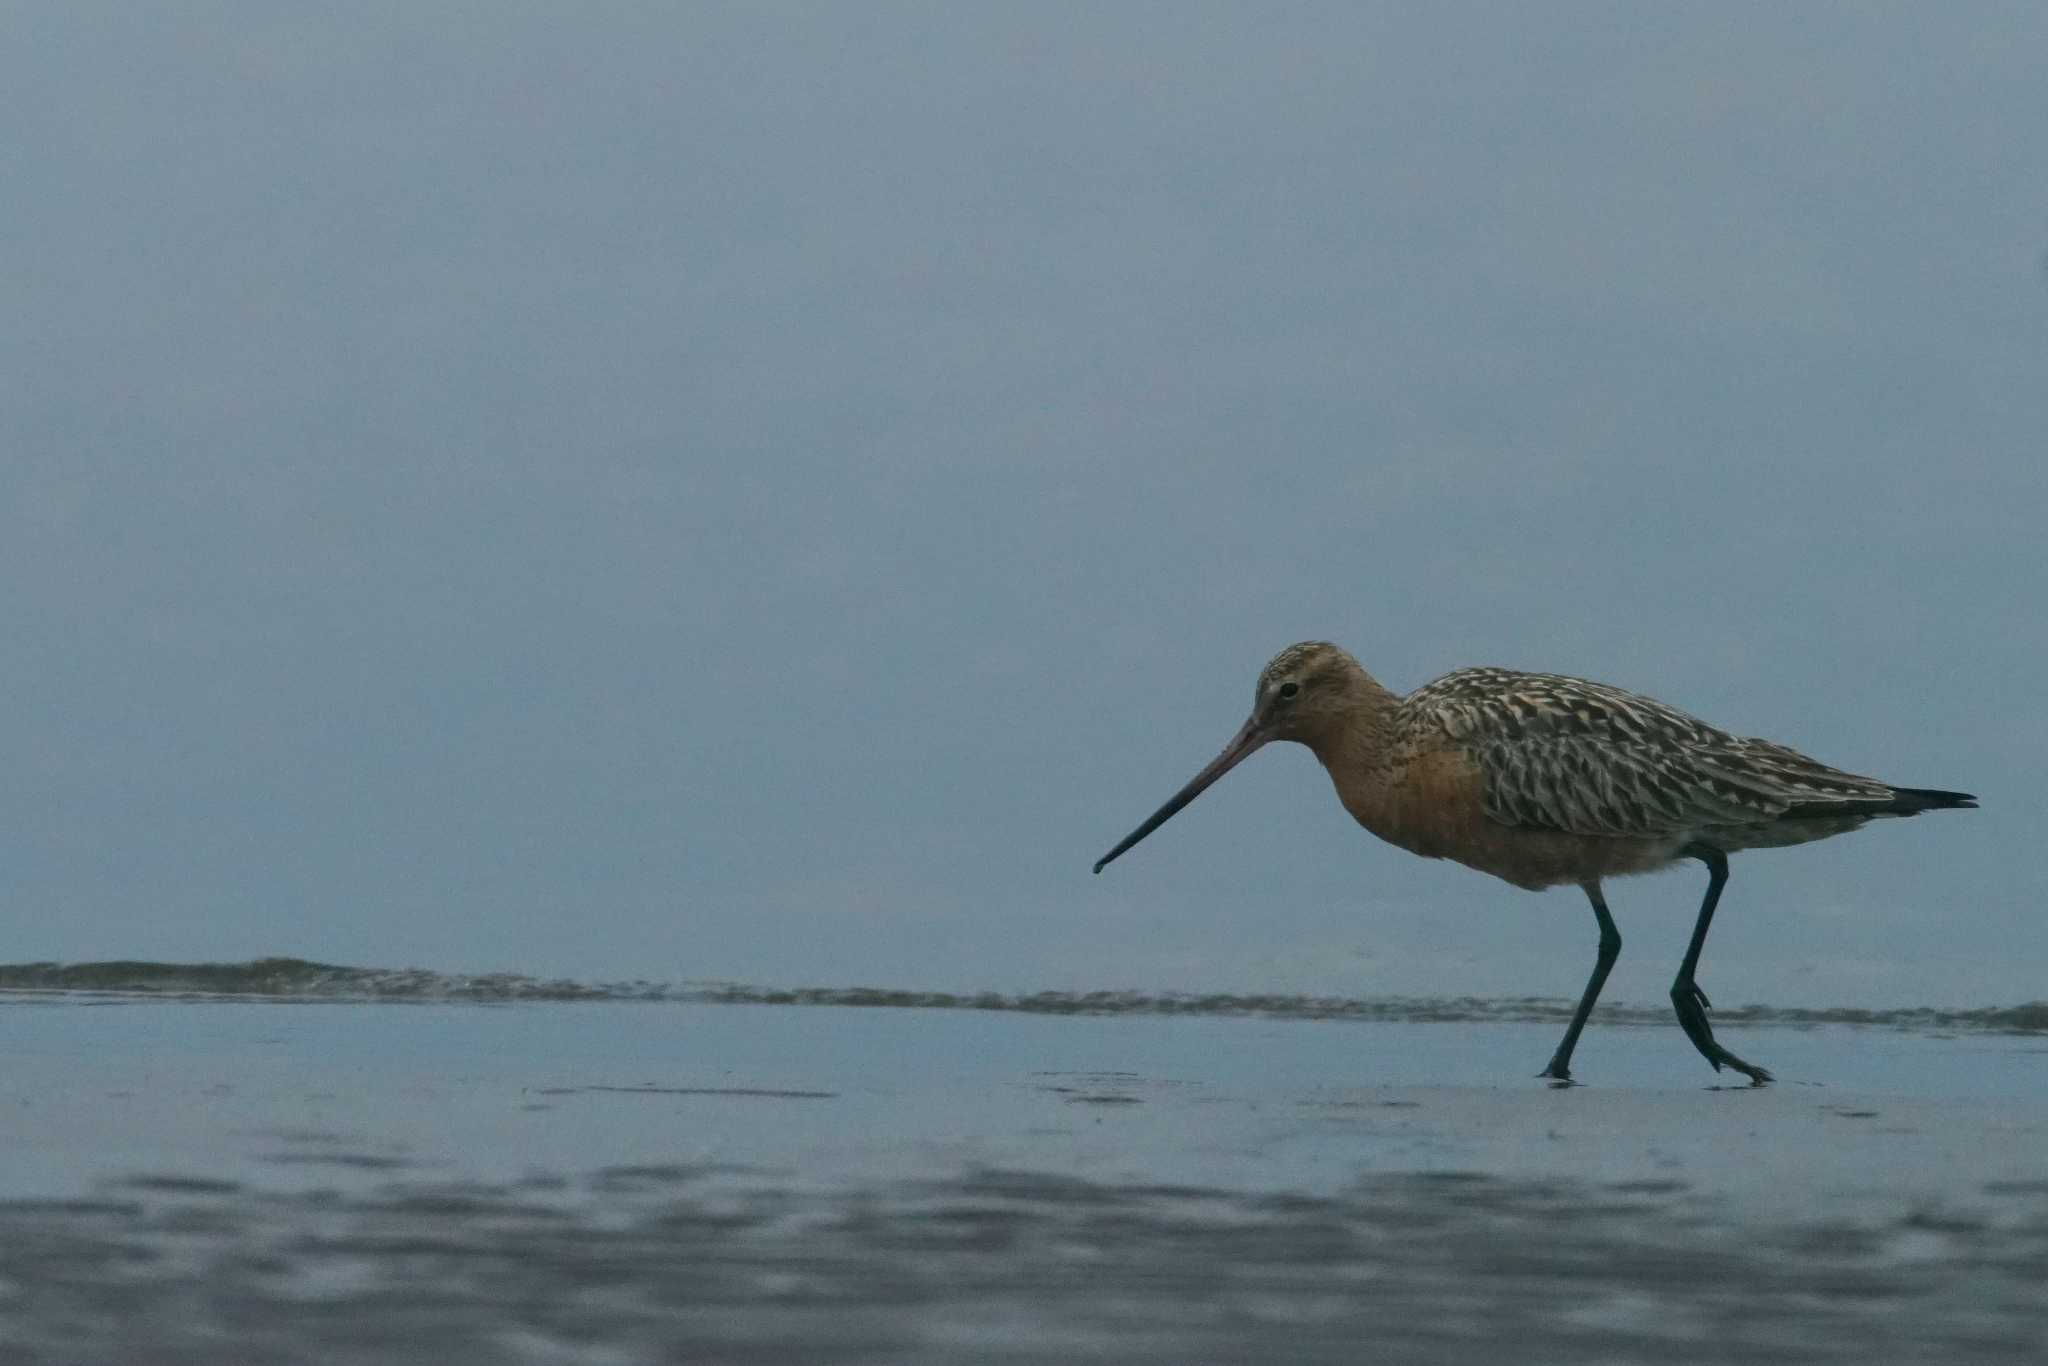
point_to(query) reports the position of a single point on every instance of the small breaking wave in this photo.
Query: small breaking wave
(296, 979)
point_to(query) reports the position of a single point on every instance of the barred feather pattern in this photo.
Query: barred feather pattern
(1566, 754)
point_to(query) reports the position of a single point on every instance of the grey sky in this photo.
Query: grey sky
(774, 491)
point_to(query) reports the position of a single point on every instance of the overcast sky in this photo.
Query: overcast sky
(773, 492)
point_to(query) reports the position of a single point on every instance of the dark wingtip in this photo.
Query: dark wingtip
(1908, 800)
(1098, 866)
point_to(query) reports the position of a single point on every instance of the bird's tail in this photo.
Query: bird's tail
(1903, 801)
(1911, 801)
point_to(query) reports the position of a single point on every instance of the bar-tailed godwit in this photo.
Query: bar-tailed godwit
(1541, 780)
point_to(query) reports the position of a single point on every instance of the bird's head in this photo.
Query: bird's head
(1304, 691)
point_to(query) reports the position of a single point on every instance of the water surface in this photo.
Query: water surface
(594, 1179)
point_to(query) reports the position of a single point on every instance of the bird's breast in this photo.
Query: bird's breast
(1425, 803)
(1433, 804)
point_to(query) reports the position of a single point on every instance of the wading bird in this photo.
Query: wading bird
(1542, 780)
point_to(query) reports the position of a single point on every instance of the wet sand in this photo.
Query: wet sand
(625, 1182)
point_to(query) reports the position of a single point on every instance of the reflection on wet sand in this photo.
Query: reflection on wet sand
(690, 1263)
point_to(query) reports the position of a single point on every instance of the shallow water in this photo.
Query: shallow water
(622, 1182)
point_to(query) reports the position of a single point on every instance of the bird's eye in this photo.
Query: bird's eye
(1288, 690)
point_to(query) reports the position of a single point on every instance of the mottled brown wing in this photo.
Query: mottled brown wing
(1561, 753)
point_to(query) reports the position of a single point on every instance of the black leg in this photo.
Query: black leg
(1560, 1068)
(1686, 997)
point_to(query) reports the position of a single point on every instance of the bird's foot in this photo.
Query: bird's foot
(1692, 1005)
(1558, 1074)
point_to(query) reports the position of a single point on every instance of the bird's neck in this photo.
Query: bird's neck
(1359, 750)
(1359, 736)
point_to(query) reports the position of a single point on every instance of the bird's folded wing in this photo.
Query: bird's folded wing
(1566, 754)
